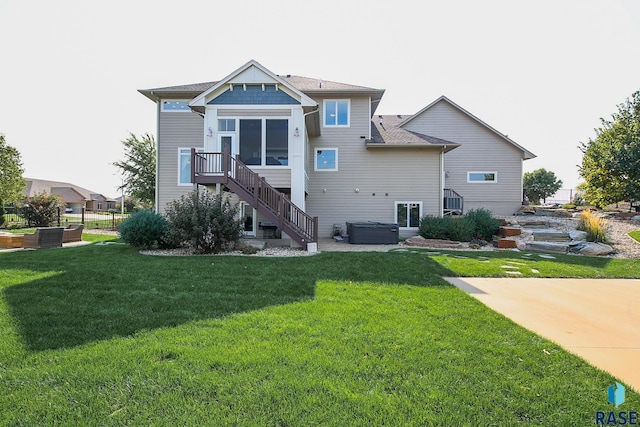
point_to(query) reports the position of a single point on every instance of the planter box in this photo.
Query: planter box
(11, 241)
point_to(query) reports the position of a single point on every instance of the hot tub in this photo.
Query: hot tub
(372, 233)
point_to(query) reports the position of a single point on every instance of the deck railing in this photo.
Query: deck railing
(209, 168)
(453, 202)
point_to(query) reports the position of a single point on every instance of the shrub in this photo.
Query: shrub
(204, 222)
(42, 210)
(483, 223)
(144, 229)
(446, 228)
(477, 224)
(594, 226)
(432, 227)
(2, 213)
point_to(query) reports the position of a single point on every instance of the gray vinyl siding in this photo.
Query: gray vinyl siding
(278, 177)
(382, 175)
(480, 150)
(175, 130)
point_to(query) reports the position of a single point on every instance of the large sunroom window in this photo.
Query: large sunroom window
(264, 142)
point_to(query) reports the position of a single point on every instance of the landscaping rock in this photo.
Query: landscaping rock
(432, 243)
(595, 249)
(551, 236)
(578, 235)
(553, 247)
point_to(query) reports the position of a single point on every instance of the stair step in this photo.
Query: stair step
(551, 236)
(509, 231)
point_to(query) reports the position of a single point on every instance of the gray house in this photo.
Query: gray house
(304, 156)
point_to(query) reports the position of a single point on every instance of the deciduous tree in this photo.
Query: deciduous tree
(139, 168)
(611, 161)
(12, 184)
(540, 184)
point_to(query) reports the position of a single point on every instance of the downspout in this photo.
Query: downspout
(157, 198)
(442, 183)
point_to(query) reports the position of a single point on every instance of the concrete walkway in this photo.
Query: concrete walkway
(596, 319)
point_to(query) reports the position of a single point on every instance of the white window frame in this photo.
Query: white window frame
(315, 159)
(162, 109)
(395, 213)
(470, 181)
(336, 125)
(180, 150)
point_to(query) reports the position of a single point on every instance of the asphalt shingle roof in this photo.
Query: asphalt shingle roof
(385, 129)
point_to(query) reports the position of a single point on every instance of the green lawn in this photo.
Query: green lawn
(101, 335)
(635, 235)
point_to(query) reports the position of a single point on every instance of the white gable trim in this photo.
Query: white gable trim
(252, 73)
(526, 154)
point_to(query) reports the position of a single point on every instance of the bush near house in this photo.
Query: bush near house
(144, 229)
(203, 222)
(476, 224)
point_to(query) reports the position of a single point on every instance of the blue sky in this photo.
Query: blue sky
(542, 72)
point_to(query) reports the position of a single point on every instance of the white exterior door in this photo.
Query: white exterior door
(248, 216)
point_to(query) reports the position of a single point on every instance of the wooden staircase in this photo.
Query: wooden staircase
(222, 168)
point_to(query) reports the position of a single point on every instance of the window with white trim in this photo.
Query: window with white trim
(482, 177)
(264, 142)
(226, 125)
(326, 159)
(175, 106)
(184, 165)
(336, 112)
(408, 214)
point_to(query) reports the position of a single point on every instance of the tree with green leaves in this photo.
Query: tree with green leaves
(139, 168)
(611, 161)
(540, 184)
(42, 209)
(12, 184)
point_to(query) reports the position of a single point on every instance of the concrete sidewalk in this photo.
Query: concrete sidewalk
(596, 319)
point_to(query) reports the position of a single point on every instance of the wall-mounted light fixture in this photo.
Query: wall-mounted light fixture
(357, 190)
(324, 190)
(296, 132)
(209, 132)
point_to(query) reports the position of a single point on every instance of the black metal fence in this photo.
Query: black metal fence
(109, 220)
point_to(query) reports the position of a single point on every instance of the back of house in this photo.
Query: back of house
(306, 156)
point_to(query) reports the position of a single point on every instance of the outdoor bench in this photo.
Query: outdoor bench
(43, 238)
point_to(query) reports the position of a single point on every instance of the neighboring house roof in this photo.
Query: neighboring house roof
(526, 154)
(386, 132)
(69, 193)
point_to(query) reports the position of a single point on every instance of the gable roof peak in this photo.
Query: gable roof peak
(526, 153)
(242, 74)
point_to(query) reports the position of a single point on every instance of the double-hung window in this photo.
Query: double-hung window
(184, 165)
(408, 214)
(336, 112)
